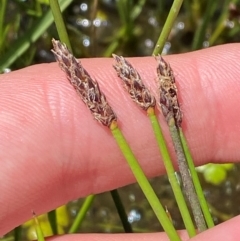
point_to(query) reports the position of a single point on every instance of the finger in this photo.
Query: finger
(52, 150)
(119, 237)
(226, 231)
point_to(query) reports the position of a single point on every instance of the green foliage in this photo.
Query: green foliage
(44, 225)
(215, 173)
(199, 24)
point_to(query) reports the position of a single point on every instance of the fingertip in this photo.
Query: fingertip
(228, 230)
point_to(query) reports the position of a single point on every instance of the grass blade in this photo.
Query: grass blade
(52, 217)
(39, 232)
(81, 214)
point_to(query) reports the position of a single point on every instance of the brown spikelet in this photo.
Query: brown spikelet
(133, 83)
(86, 87)
(168, 92)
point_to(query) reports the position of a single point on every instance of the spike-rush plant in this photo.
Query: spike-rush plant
(89, 91)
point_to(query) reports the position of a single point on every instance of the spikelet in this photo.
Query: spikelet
(86, 87)
(168, 92)
(133, 83)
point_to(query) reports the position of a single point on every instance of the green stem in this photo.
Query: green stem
(10, 238)
(111, 49)
(221, 24)
(3, 5)
(167, 27)
(121, 211)
(145, 185)
(81, 214)
(186, 178)
(52, 217)
(196, 10)
(22, 44)
(200, 33)
(172, 175)
(217, 32)
(39, 232)
(61, 29)
(196, 182)
(17, 233)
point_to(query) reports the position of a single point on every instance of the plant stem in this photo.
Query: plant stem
(3, 5)
(200, 33)
(61, 29)
(52, 217)
(40, 236)
(171, 174)
(186, 178)
(221, 24)
(197, 185)
(81, 214)
(17, 233)
(144, 184)
(94, 11)
(167, 27)
(88, 202)
(121, 211)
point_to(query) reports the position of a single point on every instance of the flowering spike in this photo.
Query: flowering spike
(86, 87)
(168, 92)
(133, 83)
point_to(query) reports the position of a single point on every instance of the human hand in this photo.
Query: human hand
(53, 151)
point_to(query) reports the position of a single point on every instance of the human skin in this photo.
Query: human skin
(52, 151)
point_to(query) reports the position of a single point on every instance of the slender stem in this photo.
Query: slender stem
(196, 182)
(196, 10)
(88, 202)
(40, 235)
(3, 5)
(221, 24)
(200, 33)
(61, 29)
(17, 233)
(217, 32)
(167, 27)
(10, 238)
(81, 214)
(171, 174)
(94, 11)
(121, 211)
(186, 178)
(144, 184)
(112, 47)
(52, 217)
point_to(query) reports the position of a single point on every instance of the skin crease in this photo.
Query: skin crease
(52, 151)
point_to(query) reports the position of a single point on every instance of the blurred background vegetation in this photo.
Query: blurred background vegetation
(125, 27)
(128, 28)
